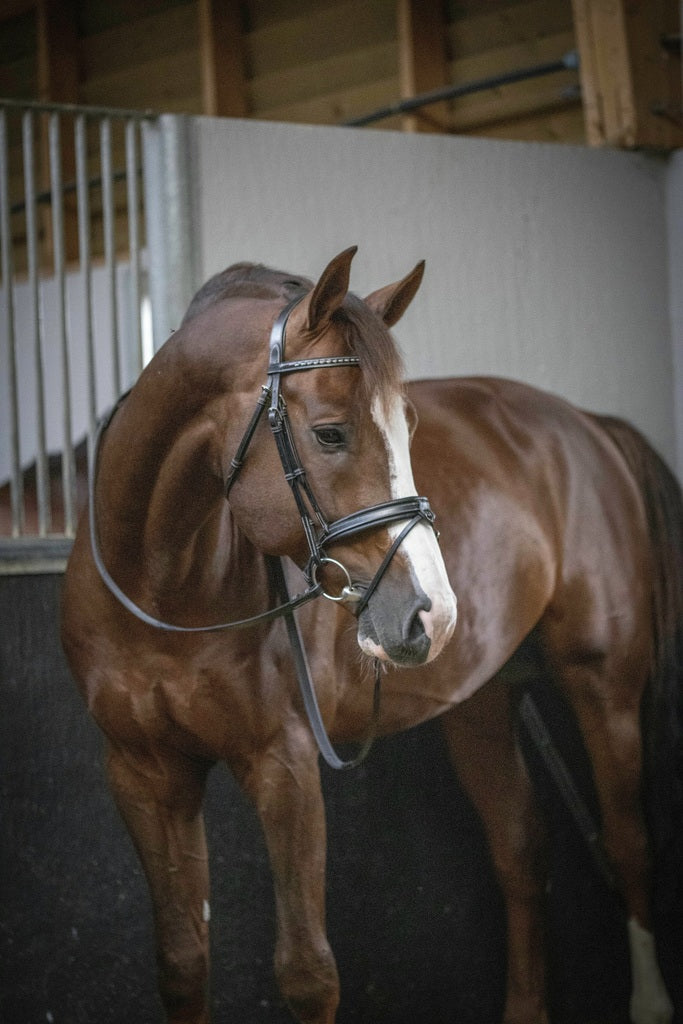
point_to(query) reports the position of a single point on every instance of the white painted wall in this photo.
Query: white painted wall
(545, 263)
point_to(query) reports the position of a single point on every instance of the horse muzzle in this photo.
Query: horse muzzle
(404, 628)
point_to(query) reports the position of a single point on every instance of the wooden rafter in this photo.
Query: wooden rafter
(631, 83)
(423, 59)
(57, 51)
(221, 54)
(57, 75)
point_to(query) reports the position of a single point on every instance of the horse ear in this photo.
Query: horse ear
(391, 302)
(331, 289)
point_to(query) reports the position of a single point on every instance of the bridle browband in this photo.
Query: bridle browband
(318, 531)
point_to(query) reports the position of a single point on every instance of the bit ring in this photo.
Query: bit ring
(332, 561)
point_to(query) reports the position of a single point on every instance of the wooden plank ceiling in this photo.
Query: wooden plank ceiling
(326, 61)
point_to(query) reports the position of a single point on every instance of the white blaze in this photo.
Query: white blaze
(420, 547)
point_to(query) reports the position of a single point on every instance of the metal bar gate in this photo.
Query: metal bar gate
(73, 309)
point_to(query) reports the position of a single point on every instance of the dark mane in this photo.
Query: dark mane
(246, 280)
(365, 334)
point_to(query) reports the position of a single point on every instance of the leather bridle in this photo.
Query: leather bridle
(318, 531)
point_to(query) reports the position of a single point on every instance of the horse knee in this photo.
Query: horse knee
(183, 985)
(309, 983)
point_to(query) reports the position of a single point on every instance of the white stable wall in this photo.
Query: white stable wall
(554, 264)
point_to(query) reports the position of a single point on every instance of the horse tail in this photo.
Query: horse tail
(663, 704)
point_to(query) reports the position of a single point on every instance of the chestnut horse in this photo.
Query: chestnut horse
(561, 532)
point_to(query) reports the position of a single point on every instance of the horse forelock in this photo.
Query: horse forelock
(366, 336)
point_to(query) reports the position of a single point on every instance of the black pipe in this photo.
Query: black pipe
(569, 62)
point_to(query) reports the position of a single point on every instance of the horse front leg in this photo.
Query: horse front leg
(160, 798)
(284, 783)
(489, 765)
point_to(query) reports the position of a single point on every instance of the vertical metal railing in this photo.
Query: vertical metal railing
(132, 196)
(61, 327)
(107, 173)
(16, 504)
(31, 208)
(85, 262)
(71, 257)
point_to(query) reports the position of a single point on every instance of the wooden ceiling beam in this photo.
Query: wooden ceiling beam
(630, 81)
(58, 82)
(221, 54)
(423, 60)
(57, 41)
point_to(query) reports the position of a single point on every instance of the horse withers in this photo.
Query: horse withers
(556, 527)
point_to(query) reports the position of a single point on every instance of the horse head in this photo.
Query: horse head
(347, 429)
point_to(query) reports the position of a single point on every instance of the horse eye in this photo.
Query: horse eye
(330, 437)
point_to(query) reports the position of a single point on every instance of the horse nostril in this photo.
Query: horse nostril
(415, 629)
(415, 626)
(415, 635)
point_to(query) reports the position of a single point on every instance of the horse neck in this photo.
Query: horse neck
(163, 520)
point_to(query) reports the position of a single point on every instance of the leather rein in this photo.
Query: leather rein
(354, 595)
